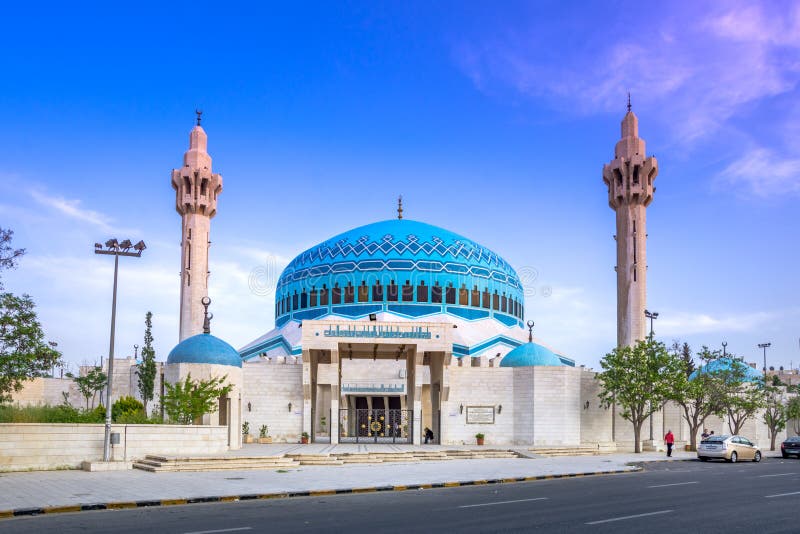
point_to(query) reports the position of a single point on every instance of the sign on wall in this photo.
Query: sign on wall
(480, 415)
(379, 332)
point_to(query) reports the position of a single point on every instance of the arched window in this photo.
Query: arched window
(312, 297)
(436, 293)
(363, 292)
(303, 300)
(476, 297)
(391, 292)
(485, 297)
(408, 292)
(294, 301)
(422, 292)
(377, 292)
(323, 296)
(504, 303)
(463, 296)
(336, 294)
(349, 293)
(495, 301)
(450, 294)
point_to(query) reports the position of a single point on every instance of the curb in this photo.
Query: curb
(120, 505)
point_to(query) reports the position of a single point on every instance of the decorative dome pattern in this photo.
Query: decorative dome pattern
(403, 267)
(204, 348)
(721, 365)
(530, 354)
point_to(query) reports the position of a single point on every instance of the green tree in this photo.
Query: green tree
(793, 414)
(90, 383)
(8, 255)
(147, 369)
(739, 397)
(125, 406)
(24, 353)
(639, 380)
(774, 412)
(698, 397)
(186, 401)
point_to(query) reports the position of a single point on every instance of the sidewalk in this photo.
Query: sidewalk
(69, 491)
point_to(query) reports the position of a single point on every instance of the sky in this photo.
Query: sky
(493, 120)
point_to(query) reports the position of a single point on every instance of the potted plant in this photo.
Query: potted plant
(479, 438)
(323, 423)
(263, 436)
(304, 437)
(246, 437)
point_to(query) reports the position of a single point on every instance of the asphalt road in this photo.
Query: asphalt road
(674, 497)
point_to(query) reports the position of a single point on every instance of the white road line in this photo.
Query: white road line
(629, 517)
(675, 484)
(782, 494)
(779, 475)
(237, 529)
(502, 502)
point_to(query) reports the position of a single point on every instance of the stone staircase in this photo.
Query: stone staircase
(160, 464)
(584, 449)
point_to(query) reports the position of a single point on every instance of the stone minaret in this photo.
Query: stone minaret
(629, 177)
(197, 189)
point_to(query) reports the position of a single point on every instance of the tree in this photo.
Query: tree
(24, 353)
(90, 383)
(740, 398)
(793, 414)
(186, 401)
(698, 397)
(639, 379)
(8, 255)
(774, 413)
(147, 369)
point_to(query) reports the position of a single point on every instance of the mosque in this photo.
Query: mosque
(398, 327)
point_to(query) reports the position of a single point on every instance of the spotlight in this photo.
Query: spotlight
(249, 407)
(126, 245)
(98, 246)
(373, 317)
(499, 409)
(140, 246)
(290, 407)
(112, 243)
(460, 408)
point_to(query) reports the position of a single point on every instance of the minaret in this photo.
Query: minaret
(197, 189)
(629, 177)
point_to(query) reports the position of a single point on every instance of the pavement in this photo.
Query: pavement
(31, 493)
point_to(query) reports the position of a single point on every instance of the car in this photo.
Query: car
(791, 447)
(728, 448)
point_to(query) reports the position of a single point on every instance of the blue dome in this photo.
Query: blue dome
(530, 354)
(204, 348)
(727, 364)
(400, 266)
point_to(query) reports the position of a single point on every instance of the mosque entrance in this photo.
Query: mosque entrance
(376, 420)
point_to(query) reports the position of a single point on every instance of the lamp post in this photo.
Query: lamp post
(765, 346)
(651, 316)
(724, 349)
(116, 249)
(135, 351)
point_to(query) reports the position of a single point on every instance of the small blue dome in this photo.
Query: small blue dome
(530, 354)
(726, 364)
(204, 348)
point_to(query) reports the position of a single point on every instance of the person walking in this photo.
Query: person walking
(669, 439)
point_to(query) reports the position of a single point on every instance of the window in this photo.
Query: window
(504, 303)
(377, 292)
(294, 301)
(349, 293)
(363, 292)
(303, 300)
(187, 186)
(436, 293)
(495, 301)
(463, 296)
(312, 302)
(450, 294)
(391, 292)
(485, 298)
(204, 187)
(336, 294)
(408, 292)
(422, 292)
(476, 297)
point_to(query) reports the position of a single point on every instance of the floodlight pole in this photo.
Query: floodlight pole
(651, 315)
(765, 346)
(115, 250)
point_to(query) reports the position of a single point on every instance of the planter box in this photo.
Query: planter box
(265, 440)
(247, 438)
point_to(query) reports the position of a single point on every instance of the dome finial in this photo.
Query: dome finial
(400, 207)
(629, 102)
(205, 301)
(199, 115)
(530, 331)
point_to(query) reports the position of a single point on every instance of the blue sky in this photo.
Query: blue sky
(492, 122)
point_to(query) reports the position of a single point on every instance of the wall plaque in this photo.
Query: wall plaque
(480, 415)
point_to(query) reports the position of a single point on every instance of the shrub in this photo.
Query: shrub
(124, 406)
(262, 432)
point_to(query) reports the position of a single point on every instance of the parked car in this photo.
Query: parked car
(729, 448)
(791, 447)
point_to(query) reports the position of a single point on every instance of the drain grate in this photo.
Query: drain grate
(234, 478)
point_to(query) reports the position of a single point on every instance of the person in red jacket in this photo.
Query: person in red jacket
(669, 439)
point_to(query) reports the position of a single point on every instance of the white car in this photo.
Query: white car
(728, 448)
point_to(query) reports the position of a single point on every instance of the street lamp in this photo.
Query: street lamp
(116, 249)
(135, 351)
(765, 346)
(724, 349)
(651, 316)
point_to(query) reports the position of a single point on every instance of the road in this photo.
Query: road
(675, 497)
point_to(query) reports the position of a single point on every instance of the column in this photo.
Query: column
(335, 383)
(308, 383)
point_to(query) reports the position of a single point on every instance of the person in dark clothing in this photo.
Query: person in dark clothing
(669, 439)
(428, 435)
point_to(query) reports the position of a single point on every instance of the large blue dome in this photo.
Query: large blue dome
(530, 354)
(204, 348)
(403, 267)
(721, 365)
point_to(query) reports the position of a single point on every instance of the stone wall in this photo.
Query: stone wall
(479, 386)
(50, 446)
(268, 389)
(595, 418)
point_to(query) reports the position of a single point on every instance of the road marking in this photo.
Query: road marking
(629, 517)
(675, 484)
(783, 494)
(502, 502)
(220, 530)
(779, 475)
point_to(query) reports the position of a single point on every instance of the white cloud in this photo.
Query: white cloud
(764, 172)
(690, 323)
(73, 209)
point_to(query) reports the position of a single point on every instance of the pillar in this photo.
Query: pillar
(335, 382)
